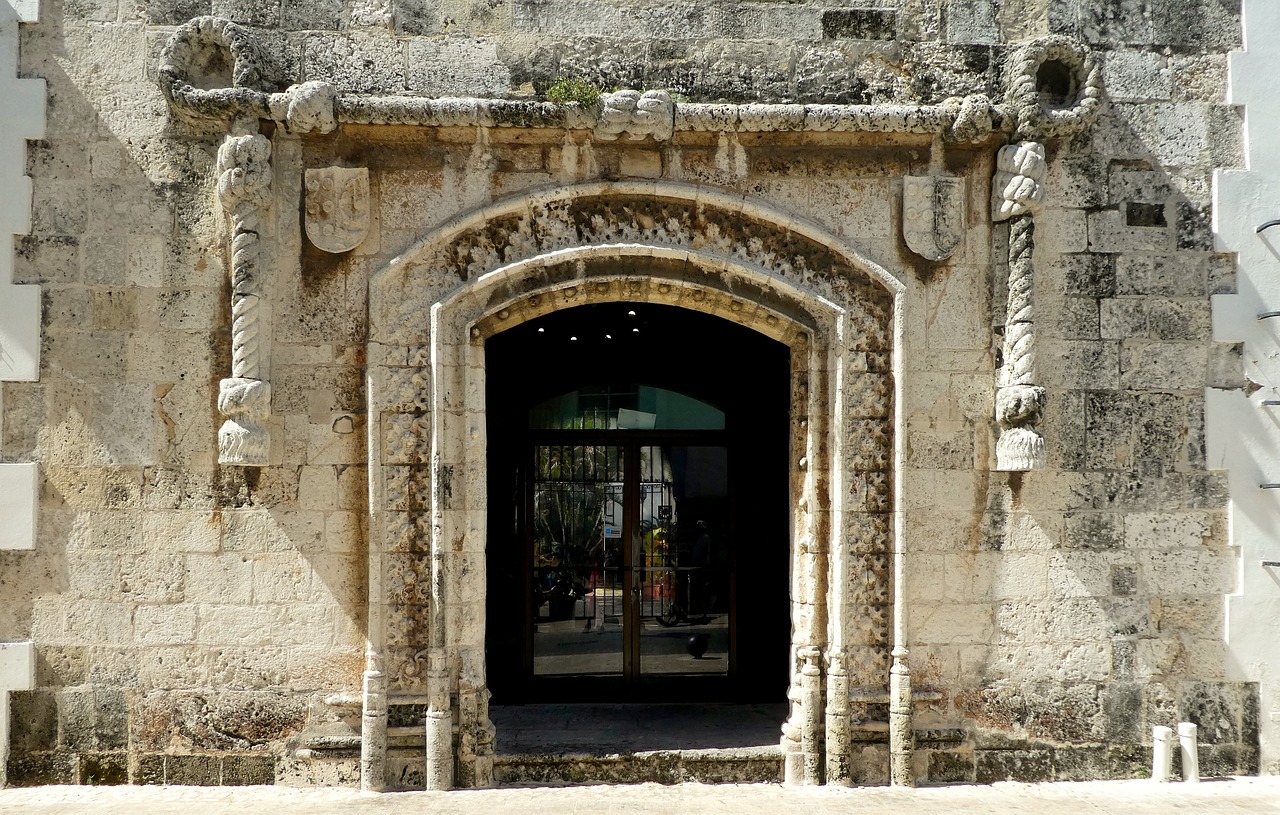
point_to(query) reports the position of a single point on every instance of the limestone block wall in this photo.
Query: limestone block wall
(206, 623)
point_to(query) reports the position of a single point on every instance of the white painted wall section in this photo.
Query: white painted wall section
(1243, 432)
(17, 672)
(19, 486)
(23, 103)
(22, 117)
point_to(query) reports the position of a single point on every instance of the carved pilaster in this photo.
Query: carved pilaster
(792, 756)
(476, 735)
(811, 736)
(439, 738)
(244, 189)
(439, 719)
(1016, 194)
(839, 736)
(901, 735)
(373, 726)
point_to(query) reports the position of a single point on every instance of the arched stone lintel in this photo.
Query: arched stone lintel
(713, 197)
(778, 323)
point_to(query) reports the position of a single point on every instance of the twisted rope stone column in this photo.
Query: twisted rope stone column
(244, 189)
(1016, 194)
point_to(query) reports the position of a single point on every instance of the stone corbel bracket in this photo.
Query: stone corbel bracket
(1055, 91)
(316, 106)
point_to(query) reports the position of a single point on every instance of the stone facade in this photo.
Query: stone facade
(271, 240)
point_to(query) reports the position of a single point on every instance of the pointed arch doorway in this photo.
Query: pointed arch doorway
(638, 529)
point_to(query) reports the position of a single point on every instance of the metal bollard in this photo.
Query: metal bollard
(1161, 753)
(1190, 752)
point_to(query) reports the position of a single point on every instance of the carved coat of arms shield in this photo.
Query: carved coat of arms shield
(337, 206)
(933, 215)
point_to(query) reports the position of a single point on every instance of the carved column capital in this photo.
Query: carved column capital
(1018, 188)
(244, 171)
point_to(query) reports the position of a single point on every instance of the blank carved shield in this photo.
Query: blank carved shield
(337, 205)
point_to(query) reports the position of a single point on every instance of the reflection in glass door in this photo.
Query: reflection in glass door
(631, 567)
(684, 561)
(577, 519)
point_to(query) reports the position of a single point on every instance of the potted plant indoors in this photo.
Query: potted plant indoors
(568, 530)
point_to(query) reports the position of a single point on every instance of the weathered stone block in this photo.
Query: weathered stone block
(1027, 766)
(1094, 530)
(172, 12)
(1080, 763)
(245, 770)
(195, 771)
(1138, 76)
(1164, 366)
(1087, 275)
(93, 719)
(1080, 364)
(102, 769)
(1124, 580)
(859, 24)
(1128, 761)
(1216, 709)
(33, 721)
(946, 767)
(41, 769)
(1122, 708)
(456, 67)
(218, 578)
(151, 769)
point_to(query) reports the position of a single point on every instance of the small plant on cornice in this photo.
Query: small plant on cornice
(574, 90)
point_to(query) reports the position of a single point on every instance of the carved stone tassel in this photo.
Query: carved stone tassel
(244, 188)
(1016, 194)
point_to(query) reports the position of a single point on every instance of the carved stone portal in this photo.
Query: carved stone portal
(933, 215)
(337, 207)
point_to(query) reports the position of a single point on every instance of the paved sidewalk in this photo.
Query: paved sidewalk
(1231, 797)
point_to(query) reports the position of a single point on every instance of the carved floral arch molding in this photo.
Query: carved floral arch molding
(431, 311)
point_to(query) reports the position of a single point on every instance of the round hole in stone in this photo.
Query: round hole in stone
(1056, 83)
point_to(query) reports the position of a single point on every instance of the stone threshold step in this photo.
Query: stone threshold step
(715, 766)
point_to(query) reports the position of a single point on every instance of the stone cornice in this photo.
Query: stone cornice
(318, 107)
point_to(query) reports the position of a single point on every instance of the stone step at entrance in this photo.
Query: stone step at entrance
(743, 765)
(638, 743)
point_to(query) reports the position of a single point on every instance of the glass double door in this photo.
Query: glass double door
(630, 559)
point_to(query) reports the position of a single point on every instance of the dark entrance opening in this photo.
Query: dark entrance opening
(638, 529)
